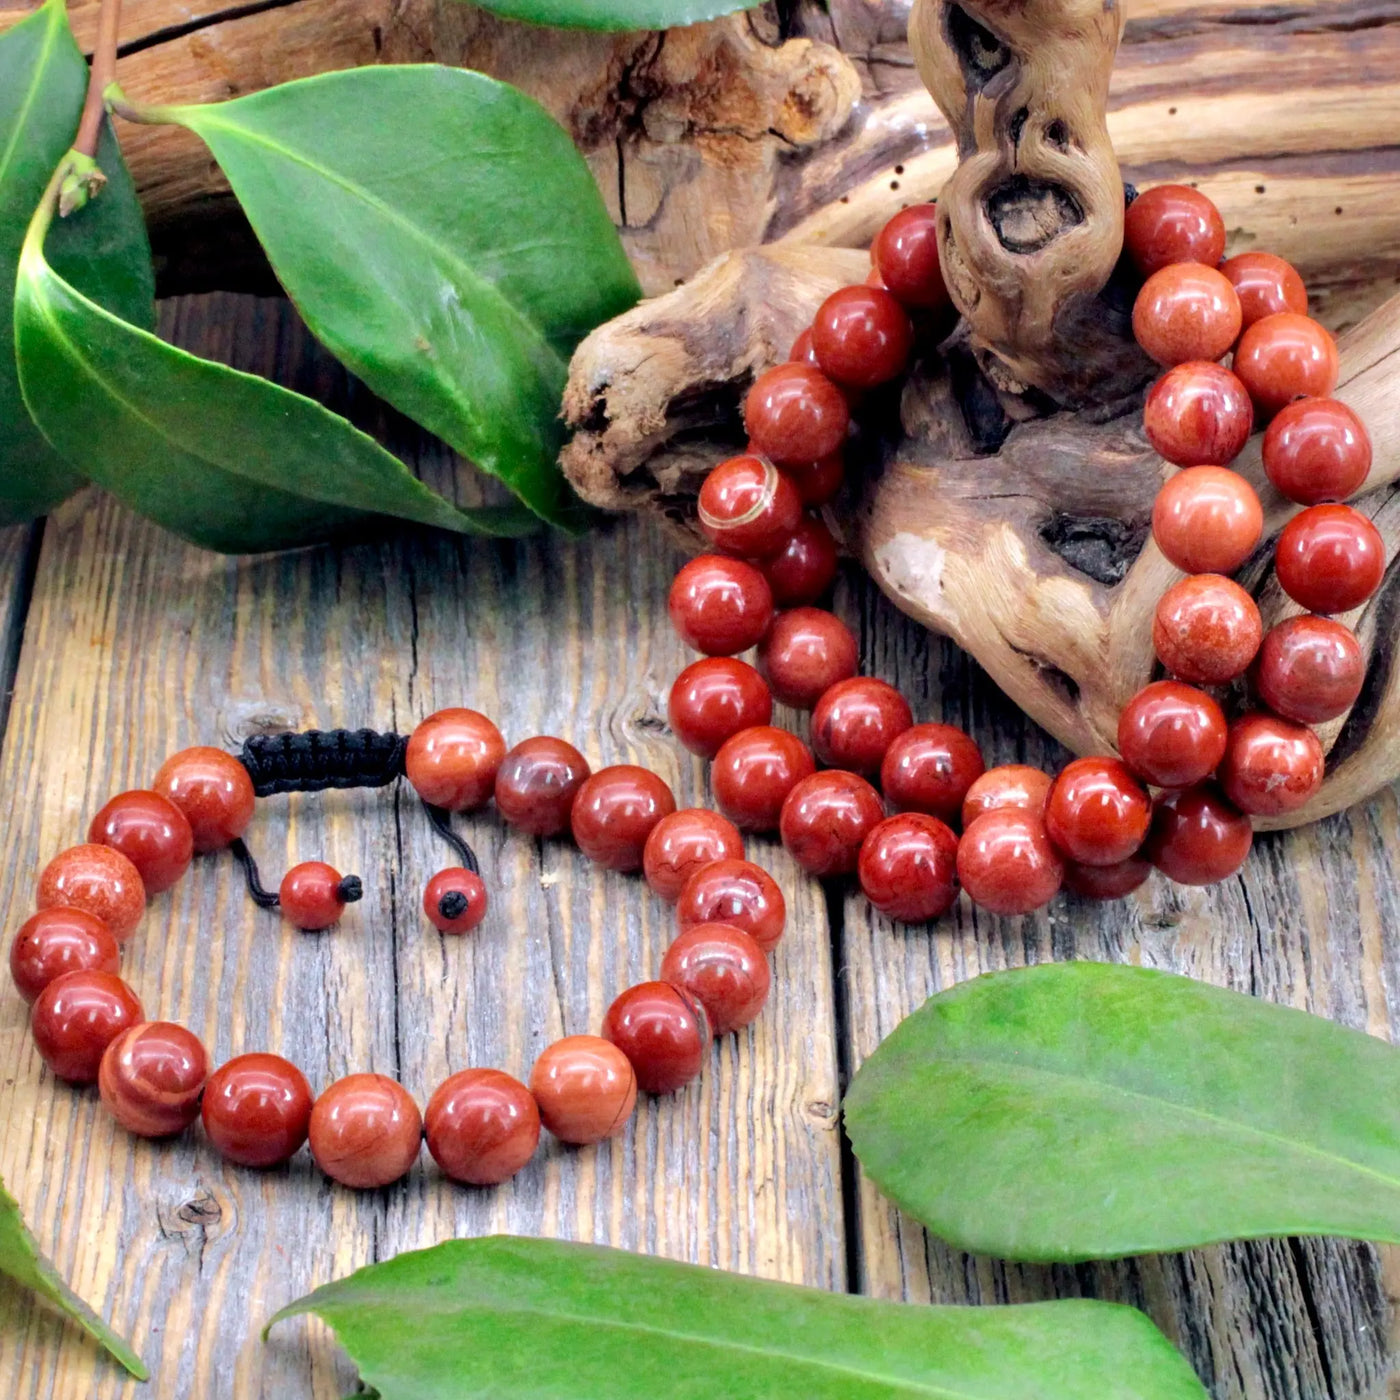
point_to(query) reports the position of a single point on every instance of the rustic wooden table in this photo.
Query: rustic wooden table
(123, 644)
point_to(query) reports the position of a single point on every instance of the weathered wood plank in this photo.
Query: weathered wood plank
(138, 645)
(1304, 924)
(18, 549)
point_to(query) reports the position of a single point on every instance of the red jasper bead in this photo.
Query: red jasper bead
(455, 900)
(929, 769)
(1186, 312)
(802, 349)
(685, 842)
(736, 892)
(615, 811)
(1015, 785)
(1309, 669)
(714, 699)
(662, 1031)
(482, 1126)
(1265, 285)
(1198, 836)
(720, 606)
(313, 895)
(257, 1110)
(1172, 224)
(365, 1131)
(1329, 558)
(804, 566)
(452, 759)
(748, 507)
(856, 721)
(213, 789)
(1171, 735)
(795, 414)
(1317, 450)
(56, 941)
(151, 832)
(754, 772)
(1106, 881)
(1207, 520)
(1286, 357)
(908, 867)
(536, 785)
(1198, 414)
(1271, 765)
(1206, 630)
(1006, 862)
(585, 1088)
(723, 969)
(151, 1077)
(77, 1016)
(99, 880)
(1097, 812)
(806, 652)
(862, 336)
(825, 819)
(818, 482)
(905, 253)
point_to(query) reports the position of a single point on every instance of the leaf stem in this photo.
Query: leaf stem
(104, 69)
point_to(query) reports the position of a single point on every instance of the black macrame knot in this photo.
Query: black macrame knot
(453, 904)
(323, 758)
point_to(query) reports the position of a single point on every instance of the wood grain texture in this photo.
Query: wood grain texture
(136, 646)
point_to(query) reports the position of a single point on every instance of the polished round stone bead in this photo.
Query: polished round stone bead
(754, 772)
(794, 414)
(1172, 224)
(257, 1110)
(585, 1088)
(1207, 520)
(1198, 414)
(723, 968)
(1206, 630)
(748, 507)
(313, 895)
(684, 842)
(736, 892)
(1013, 785)
(151, 1077)
(908, 867)
(452, 759)
(1198, 836)
(455, 900)
(1286, 357)
(855, 722)
(1271, 765)
(905, 254)
(862, 337)
(805, 653)
(825, 819)
(151, 832)
(1097, 812)
(804, 566)
(213, 789)
(1186, 312)
(77, 1016)
(59, 940)
(714, 699)
(365, 1131)
(536, 785)
(98, 880)
(1329, 559)
(1007, 862)
(482, 1126)
(1106, 881)
(1317, 450)
(1265, 285)
(1172, 735)
(664, 1033)
(819, 482)
(614, 813)
(1309, 669)
(719, 605)
(929, 768)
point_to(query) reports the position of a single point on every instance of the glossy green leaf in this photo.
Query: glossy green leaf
(442, 236)
(224, 459)
(1084, 1111)
(615, 14)
(21, 1261)
(519, 1319)
(101, 248)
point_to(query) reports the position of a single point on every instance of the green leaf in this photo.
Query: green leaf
(101, 248)
(1084, 1111)
(21, 1260)
(514, 1318)
(614, 14)
(441, 235)
(224, 459)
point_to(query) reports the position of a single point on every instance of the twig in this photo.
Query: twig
(104, 70)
